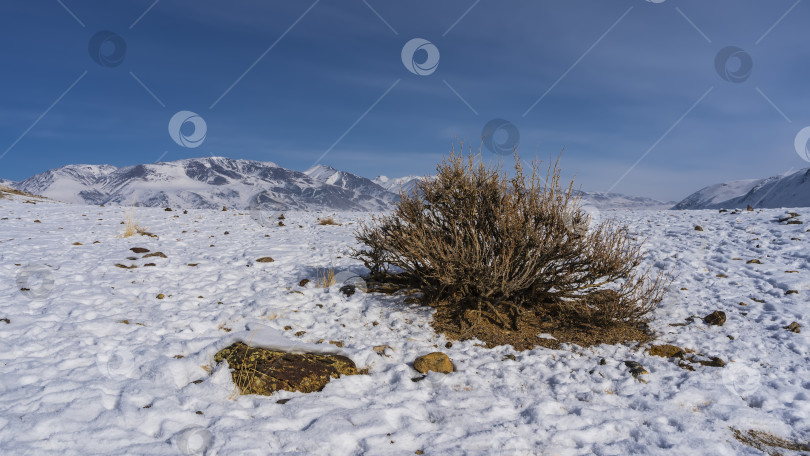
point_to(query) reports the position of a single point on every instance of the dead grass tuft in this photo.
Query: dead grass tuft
(325, 277)
(131, 226)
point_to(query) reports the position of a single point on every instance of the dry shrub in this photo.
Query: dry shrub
(475, 239)
(327, 221)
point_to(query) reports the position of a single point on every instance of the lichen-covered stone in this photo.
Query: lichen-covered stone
(262, 371)
(667, 351)
(436, 362)
(716, 318)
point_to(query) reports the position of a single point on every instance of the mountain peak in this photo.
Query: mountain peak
(208, 182)
(788, 190)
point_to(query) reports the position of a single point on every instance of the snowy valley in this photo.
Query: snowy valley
(108, 351)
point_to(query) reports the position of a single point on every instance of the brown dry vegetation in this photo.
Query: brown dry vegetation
(767, 443)
(327, 221)
(510, 252)
(131, 226)
(4, 191)
(325, 277)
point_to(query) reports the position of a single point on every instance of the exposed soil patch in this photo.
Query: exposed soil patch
(768, 443)
(527, 327)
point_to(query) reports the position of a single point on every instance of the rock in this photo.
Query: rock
(698, 228)
(716, 318)
(790, 292)
(749, 208)
(303, 282)
(713, 361)
(794, 327)
(794, 222)
(224, 208)
(265, 260)
(139, 250)
(436, 362)
(636, 369)
(347, 290)
(723, 211)
(754, 261)
(155, 254)
(686, 366)
(160, 296)
(262, 371)
(667, 351)
(168, 209)
(380, 350)
(6, 320)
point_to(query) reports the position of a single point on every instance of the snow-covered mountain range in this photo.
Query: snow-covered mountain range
(606, 201)
(210, 182)
(362, 187)
(406, 183)
(213, 182)
(789, 190)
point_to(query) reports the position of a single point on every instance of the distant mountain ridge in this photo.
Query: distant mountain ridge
(209, 183)
(790, 190)
(396, 184)
(607, 201)
(213, 182)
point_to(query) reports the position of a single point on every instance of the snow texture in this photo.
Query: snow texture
(92, 362)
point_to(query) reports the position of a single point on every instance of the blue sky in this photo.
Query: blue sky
(630, 88)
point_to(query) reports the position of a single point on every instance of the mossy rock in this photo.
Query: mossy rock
(263, 371)
(667, 351)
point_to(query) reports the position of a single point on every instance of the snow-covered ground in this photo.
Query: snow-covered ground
(77, 380)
